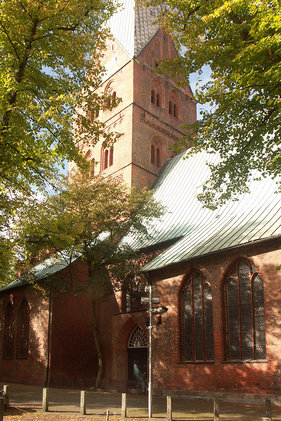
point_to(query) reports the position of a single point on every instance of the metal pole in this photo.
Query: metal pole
(150, 355)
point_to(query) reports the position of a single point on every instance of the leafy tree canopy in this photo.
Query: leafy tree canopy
(240, 40)
(49, 71)
(87, 219)
(50, 50)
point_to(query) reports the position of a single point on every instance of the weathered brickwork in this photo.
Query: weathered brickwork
(170, 373)
(31, 370)
(141, 122)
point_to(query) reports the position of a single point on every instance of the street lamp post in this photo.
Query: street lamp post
(150, 355)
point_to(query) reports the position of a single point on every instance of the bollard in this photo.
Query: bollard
(169, 408)
(45, 402)
(216, 410)
(107, 415)
(83, 402)
(124, 405)
(268, 408)
(1, 408)
(6, 396)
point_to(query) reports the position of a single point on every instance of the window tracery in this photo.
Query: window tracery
(244, 321)
(196, 319)
(132, 291)
(137, 339)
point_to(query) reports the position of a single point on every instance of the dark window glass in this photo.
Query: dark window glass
(158, 100)
(132, 291)
(197, 319)
(105, 165)
(153, 96)
(244, 314)
(23, 330)
(152, 155)
(170, 107)
(158, 157)
(111, 157)
(9, 325)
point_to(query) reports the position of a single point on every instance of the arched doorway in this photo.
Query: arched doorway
(137, 360)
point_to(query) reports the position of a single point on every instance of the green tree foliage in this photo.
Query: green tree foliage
(88, 220)
(49, 68)
(49, 71)
(240, 40)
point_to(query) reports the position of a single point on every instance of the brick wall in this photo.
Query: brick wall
(170, 373)
(32, 370)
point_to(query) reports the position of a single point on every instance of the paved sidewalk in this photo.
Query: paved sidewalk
(26, 402)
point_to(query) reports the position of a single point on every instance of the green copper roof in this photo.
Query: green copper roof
(197, 231)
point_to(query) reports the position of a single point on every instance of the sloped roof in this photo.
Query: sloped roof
(133, 27)
(42, 270)
(195, 231)
(198, 231)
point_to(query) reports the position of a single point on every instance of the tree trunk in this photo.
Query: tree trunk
(98, 346)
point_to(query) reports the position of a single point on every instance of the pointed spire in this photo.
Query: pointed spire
(133, 27)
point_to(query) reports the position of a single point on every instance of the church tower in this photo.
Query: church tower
(152, 109)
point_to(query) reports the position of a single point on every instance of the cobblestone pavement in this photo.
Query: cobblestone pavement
(26, 404)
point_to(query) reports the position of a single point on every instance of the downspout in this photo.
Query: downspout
(48, 357)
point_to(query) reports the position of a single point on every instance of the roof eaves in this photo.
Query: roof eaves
(194, 257)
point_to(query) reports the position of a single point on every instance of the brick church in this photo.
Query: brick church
(215, 271)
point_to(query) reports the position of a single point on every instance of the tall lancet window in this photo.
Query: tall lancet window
(196, 314)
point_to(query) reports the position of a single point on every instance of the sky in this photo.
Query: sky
(196, 81)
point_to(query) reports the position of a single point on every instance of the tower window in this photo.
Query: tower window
(110, 157)
(153, 96)
(174, 105)
(170, 107)
(152, 154)
(158, 100)
(158, 162)
(106, 159)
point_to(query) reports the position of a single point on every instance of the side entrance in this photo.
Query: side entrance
(137, 360)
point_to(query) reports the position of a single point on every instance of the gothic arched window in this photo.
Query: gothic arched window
(196, 319)
(132, 291)
(170, 107)
(174, 105)
(137, 339)
(158, 100)
(156, 147)
(23, 330)
(152, 154)
(9, 334)
(244, 321)
(110, 157)
(158, 161)
(152, 96)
